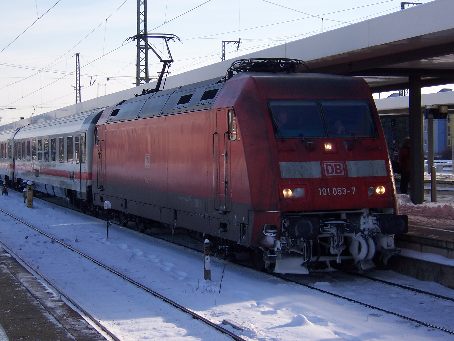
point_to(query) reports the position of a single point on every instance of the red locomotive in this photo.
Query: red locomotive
(291, 165)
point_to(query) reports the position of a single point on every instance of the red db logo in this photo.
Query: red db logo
(333, 168)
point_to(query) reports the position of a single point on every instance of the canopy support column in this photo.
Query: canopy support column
(416, 141)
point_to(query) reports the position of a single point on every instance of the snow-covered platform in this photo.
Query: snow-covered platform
(428, 247)
(29, 310)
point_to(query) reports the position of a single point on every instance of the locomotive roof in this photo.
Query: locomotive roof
(202, 95)
(65, 125)
(197, 96)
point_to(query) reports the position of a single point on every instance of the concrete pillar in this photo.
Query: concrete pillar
(416, 141)
(452, 152)
(430, 142)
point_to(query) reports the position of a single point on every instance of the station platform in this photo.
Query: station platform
(428, 247)
(30, 311)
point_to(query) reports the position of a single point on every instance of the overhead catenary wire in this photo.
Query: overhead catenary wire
(51, 64)
(245, 48)
(109, 52)
(30, 26)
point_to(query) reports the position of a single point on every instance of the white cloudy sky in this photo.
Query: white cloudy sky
(39, 39)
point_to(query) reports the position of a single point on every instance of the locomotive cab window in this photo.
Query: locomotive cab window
(294, 119)
(324, 118)
(348, 119)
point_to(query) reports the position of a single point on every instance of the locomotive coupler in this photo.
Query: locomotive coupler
(336, 229)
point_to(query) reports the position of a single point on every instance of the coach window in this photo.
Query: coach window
(61, 149)
(69, 148)
(53, 149)
(46, 149)
(34, 149)
(82, 148)
(76, 148)
(29, 151)
(23, 151)
(40, 149)
(17, 150)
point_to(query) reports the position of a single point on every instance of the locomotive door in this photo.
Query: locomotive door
(221, 159)
(101, 164)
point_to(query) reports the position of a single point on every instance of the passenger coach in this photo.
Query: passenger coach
(56, 155)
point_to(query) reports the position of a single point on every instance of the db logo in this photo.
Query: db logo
(333, 168)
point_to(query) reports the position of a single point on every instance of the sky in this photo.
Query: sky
(278, 311)
(40, 39)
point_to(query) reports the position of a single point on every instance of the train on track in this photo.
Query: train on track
(288, 164)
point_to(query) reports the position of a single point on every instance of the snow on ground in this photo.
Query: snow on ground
(265, 307)
(443, 210)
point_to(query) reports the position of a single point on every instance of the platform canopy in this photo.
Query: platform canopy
(386, 50)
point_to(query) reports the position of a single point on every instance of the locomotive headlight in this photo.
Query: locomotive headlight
(328, 146)
(287, 192)
(295, 193)
(380, 190)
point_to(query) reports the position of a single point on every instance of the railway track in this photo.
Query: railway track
(301, 280)
(402, 286)
(124, 277)
(307, 283)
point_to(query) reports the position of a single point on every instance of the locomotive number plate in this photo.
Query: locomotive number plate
(336, 191)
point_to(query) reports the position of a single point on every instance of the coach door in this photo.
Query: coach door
(221, 159)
